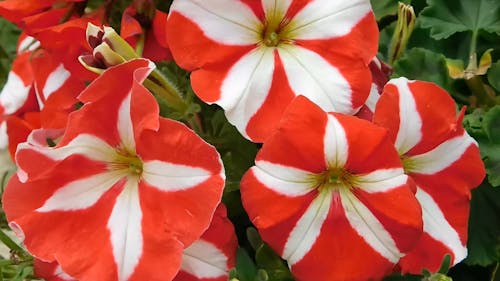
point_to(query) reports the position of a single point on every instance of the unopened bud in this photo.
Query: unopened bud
(402, 33)
(108, 49)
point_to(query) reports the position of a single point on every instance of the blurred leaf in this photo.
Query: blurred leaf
(272, 263)
(445, 18)
(422, 64)
(484, 226)
(484, 126)
(494, 75)
(383, 8)
(245, 268)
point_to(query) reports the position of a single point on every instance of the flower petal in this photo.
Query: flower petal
(312, 76)
(173, 177)
(126, 230)
(81, 194)
(369, 227)
(239, 27)
(308, 228)
(341, 16)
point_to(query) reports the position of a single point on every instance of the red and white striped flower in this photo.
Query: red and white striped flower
(441, 158)
(122, 193)
(253, 57)
(327, 192)
(212, 256)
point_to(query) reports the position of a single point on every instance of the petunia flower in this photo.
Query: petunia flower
(253, 57)
(441, 158)
(212, 256)
(328, 193)
(122, 193)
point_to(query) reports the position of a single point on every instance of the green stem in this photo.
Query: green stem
(494, 273)
(13, 246)
(169, 92)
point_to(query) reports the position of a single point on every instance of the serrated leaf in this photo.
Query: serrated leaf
(484, 126)
(484, 230)
(494, 75)
(422, 64)
(445, 18)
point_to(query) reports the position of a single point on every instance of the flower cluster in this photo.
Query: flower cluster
(353, 166)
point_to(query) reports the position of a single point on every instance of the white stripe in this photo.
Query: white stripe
(369, 227)
(246, 87)
(382, 180)
(84, 144)
(410, 123)
(373, 98)
(276, 9)
(126, 230)
(436, 225)
(204, 260)
(28, 44)
(442, 156)
(284, 180)
(308, 228)
(324, 19)
(59, 273)
(336, 148)
(55, 80)
(224, 21)
(82, 193)
(310, 75)
(124, 125)
(14, 94)
(173, 177)
(4, 138)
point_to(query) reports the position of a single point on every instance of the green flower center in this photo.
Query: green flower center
(335, 179)
(128, 160)
(274, 32)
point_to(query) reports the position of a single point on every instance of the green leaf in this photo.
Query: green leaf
(245, 268)
(422, 64)
(484, 229)
(494, 75)
(445, 18)
(271, 262)
(484, 126)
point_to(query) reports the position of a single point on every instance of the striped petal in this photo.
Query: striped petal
(309, 74)
(213, 255)
(310, 22)
(315, 219)
(443, 161)
(239, 27)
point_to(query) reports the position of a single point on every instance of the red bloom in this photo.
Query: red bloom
(212, 256)
(135, 25)
(253, 57)
(327, 191)
(442, 159)
(119, 196)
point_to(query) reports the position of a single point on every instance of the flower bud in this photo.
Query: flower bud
(108, 49)
(402, 33)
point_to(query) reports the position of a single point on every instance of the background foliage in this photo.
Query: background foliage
(455, 44)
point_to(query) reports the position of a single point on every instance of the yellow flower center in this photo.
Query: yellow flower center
(128, 160)
(274, 32)
(335, 179)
